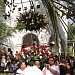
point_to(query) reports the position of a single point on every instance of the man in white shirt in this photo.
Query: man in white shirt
(34, 70)
(21, 69)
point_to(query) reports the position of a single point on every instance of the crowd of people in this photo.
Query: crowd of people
(54, 66)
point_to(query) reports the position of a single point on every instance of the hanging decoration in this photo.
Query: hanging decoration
(31, 21)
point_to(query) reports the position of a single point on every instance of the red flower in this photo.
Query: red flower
(39, 53)
(51, 55)
(33, 47)
(22, 49)
(42, 46)
(46, 52)
(17, 54)
(43, 52)
(26, 50)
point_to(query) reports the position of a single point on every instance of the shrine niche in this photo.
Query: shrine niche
(30, 39)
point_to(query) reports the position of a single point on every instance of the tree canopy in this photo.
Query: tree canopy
(2, 6)
(71, 32)
(5, 31)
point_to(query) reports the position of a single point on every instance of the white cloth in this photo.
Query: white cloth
(28, 70)
(20, 72)
(33, 71)
(56, 68)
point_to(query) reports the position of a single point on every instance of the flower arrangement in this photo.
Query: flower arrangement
(31, 21)
(32, 53)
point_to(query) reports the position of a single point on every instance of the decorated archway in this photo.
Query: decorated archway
(30, 39)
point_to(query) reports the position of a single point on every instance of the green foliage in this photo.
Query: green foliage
(5, 30)
(20, 26)
(71, 32)
(68, 7)
(31, 21)
(5, 1)
(2, 6)
(71, 12)
(70, 52)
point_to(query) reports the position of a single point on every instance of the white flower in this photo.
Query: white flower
(27, 60)
(24, 57)
(26, 17)
(49, 52)
(40, 57)
(27, 48)
(27, 55)
(22, 53)
(47, 48)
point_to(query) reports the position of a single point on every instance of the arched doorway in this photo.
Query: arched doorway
(30, 39)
